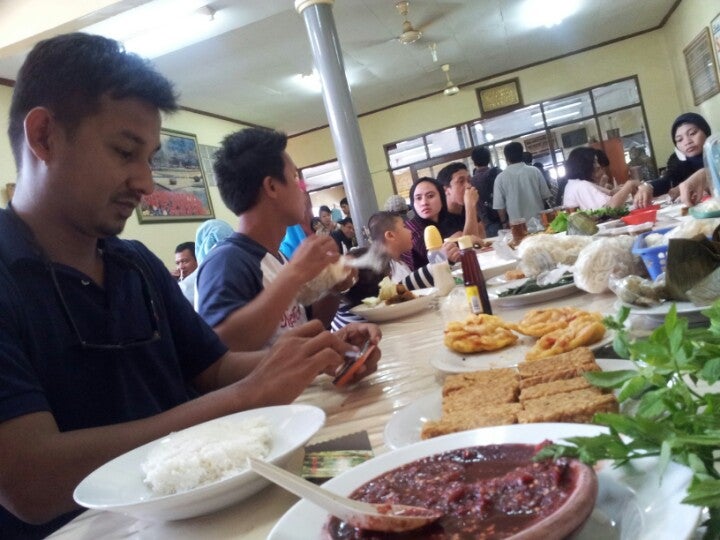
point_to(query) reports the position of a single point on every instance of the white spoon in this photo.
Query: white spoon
(376, 517)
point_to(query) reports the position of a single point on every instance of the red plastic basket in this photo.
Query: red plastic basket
(655, 258)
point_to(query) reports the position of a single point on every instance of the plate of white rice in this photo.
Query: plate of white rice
(200, 469)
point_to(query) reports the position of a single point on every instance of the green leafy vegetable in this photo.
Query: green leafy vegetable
(675, 414)
(531, 286)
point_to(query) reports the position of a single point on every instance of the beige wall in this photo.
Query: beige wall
(656, 58)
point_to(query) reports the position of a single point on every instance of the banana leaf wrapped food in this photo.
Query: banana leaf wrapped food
(692, 271)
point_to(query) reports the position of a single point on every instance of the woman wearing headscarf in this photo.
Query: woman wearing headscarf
(207, 236)
(688, 132)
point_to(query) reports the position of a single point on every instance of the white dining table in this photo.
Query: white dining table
(404, 374)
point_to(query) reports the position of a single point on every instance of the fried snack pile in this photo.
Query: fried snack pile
(478, 333)
(559, 330)
(548, 390)
(583, 330)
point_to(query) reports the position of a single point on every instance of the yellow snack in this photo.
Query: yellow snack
(478, 333)
(539, 322)
(584, 330)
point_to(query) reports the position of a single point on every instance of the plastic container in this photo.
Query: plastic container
(655, 258)
(433, 244)
(641, 215)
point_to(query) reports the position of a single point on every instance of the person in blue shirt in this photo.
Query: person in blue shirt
(99, 350)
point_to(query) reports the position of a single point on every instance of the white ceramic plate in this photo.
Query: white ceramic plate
(384, 312)
(659, 311)
(632, 503)
(531, 297)
(405, 425)
(118, 485)
(448, 361)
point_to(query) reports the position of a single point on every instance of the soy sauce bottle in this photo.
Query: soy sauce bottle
(475, 288)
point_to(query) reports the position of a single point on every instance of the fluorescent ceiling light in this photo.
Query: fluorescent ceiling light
(309, 81)
(537, 13)
(160, 27)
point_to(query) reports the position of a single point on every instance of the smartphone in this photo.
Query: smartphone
(353, 364)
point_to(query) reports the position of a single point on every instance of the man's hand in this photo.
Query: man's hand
(357, 334)
(294, 361)
(470, 197)
(312, 256)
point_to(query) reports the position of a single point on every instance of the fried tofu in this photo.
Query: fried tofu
(497, 415)
(554, 387)
(476, 378)
(551, 389)
(578, 406)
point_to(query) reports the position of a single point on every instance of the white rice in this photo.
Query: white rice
(205, 453)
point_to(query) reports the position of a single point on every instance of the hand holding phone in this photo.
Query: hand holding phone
(352, 365)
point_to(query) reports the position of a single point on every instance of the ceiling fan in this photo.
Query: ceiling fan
(409, 33)
(450, 88)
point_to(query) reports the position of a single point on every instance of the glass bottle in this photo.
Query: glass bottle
(475, 288)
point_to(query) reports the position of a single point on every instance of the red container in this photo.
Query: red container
(641, 215)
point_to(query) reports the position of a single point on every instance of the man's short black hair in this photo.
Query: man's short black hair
(324, 208)
(244, 160)
(190, 246)
(70, 73)
(480, 156)
(446, 173)
(527, 157)
(343, 201)
(513, 152)
(345, 221)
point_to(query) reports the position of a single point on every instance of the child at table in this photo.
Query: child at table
(388, 230)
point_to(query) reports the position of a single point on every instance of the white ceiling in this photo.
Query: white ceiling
(246, 71)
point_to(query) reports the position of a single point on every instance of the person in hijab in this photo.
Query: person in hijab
(688, 132)
(208, 235)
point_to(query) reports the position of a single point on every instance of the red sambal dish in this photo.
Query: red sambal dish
(484, 492)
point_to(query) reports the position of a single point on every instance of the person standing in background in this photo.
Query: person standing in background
(483, 179)
(345, 207)
(520, 190)
(185, 266)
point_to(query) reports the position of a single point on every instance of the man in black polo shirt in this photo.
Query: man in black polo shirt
(99, 351)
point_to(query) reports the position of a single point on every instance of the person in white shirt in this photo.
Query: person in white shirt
(582, 192)
(185, 266)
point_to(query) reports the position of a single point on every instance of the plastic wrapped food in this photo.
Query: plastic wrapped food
(545, 251)
(601, 259)
(638, 291)
(315, 289)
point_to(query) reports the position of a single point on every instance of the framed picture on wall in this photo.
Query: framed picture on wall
(181, 190)
(715, 34)
(500, 97)
(701, 66)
